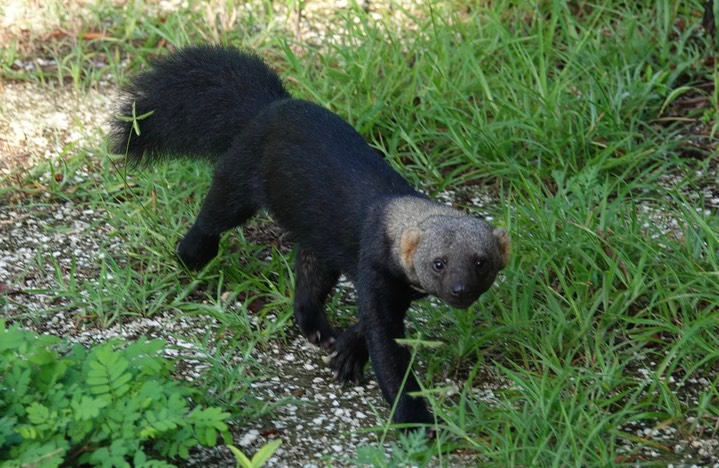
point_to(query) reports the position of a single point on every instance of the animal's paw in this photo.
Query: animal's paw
(195, 251)
(349, 358)
(324, 339)
(318, 332)
(413, 411)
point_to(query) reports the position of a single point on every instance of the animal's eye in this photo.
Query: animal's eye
(438, 265)
(481, 264)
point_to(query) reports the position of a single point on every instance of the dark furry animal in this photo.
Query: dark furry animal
(347, 209)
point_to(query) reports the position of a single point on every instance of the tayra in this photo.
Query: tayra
(347, 209)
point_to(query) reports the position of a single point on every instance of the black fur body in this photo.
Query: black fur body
(347, 209)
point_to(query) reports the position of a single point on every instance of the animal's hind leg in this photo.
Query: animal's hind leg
(228, 204)
(313, 284)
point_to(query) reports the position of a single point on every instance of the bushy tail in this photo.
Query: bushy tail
(193, 103)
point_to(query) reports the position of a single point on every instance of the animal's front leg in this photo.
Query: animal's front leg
(350, 355)
(384, 301)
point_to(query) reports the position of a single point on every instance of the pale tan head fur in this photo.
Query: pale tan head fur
(444, 251)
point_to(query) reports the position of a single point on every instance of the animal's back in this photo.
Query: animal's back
(322, 178)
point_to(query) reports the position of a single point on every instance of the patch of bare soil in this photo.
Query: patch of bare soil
(38, 124)
(28, 22)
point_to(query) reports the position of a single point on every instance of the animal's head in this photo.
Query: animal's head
(454, 258)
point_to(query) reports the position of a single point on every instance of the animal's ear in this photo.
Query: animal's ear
(504, 244)
(408, 247)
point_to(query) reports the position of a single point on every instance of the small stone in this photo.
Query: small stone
(249, 438)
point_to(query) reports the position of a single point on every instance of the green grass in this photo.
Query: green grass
(568, 113)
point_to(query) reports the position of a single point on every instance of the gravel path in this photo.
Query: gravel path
(326, 418)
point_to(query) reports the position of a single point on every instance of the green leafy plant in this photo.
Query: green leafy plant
(259, 458)
(109, 405)
(410, 450)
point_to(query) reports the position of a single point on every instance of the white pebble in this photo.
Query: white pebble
(249, 438)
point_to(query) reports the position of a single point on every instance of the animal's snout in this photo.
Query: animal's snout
(458, 289)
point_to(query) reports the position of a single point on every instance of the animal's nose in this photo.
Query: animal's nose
(458, 289)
